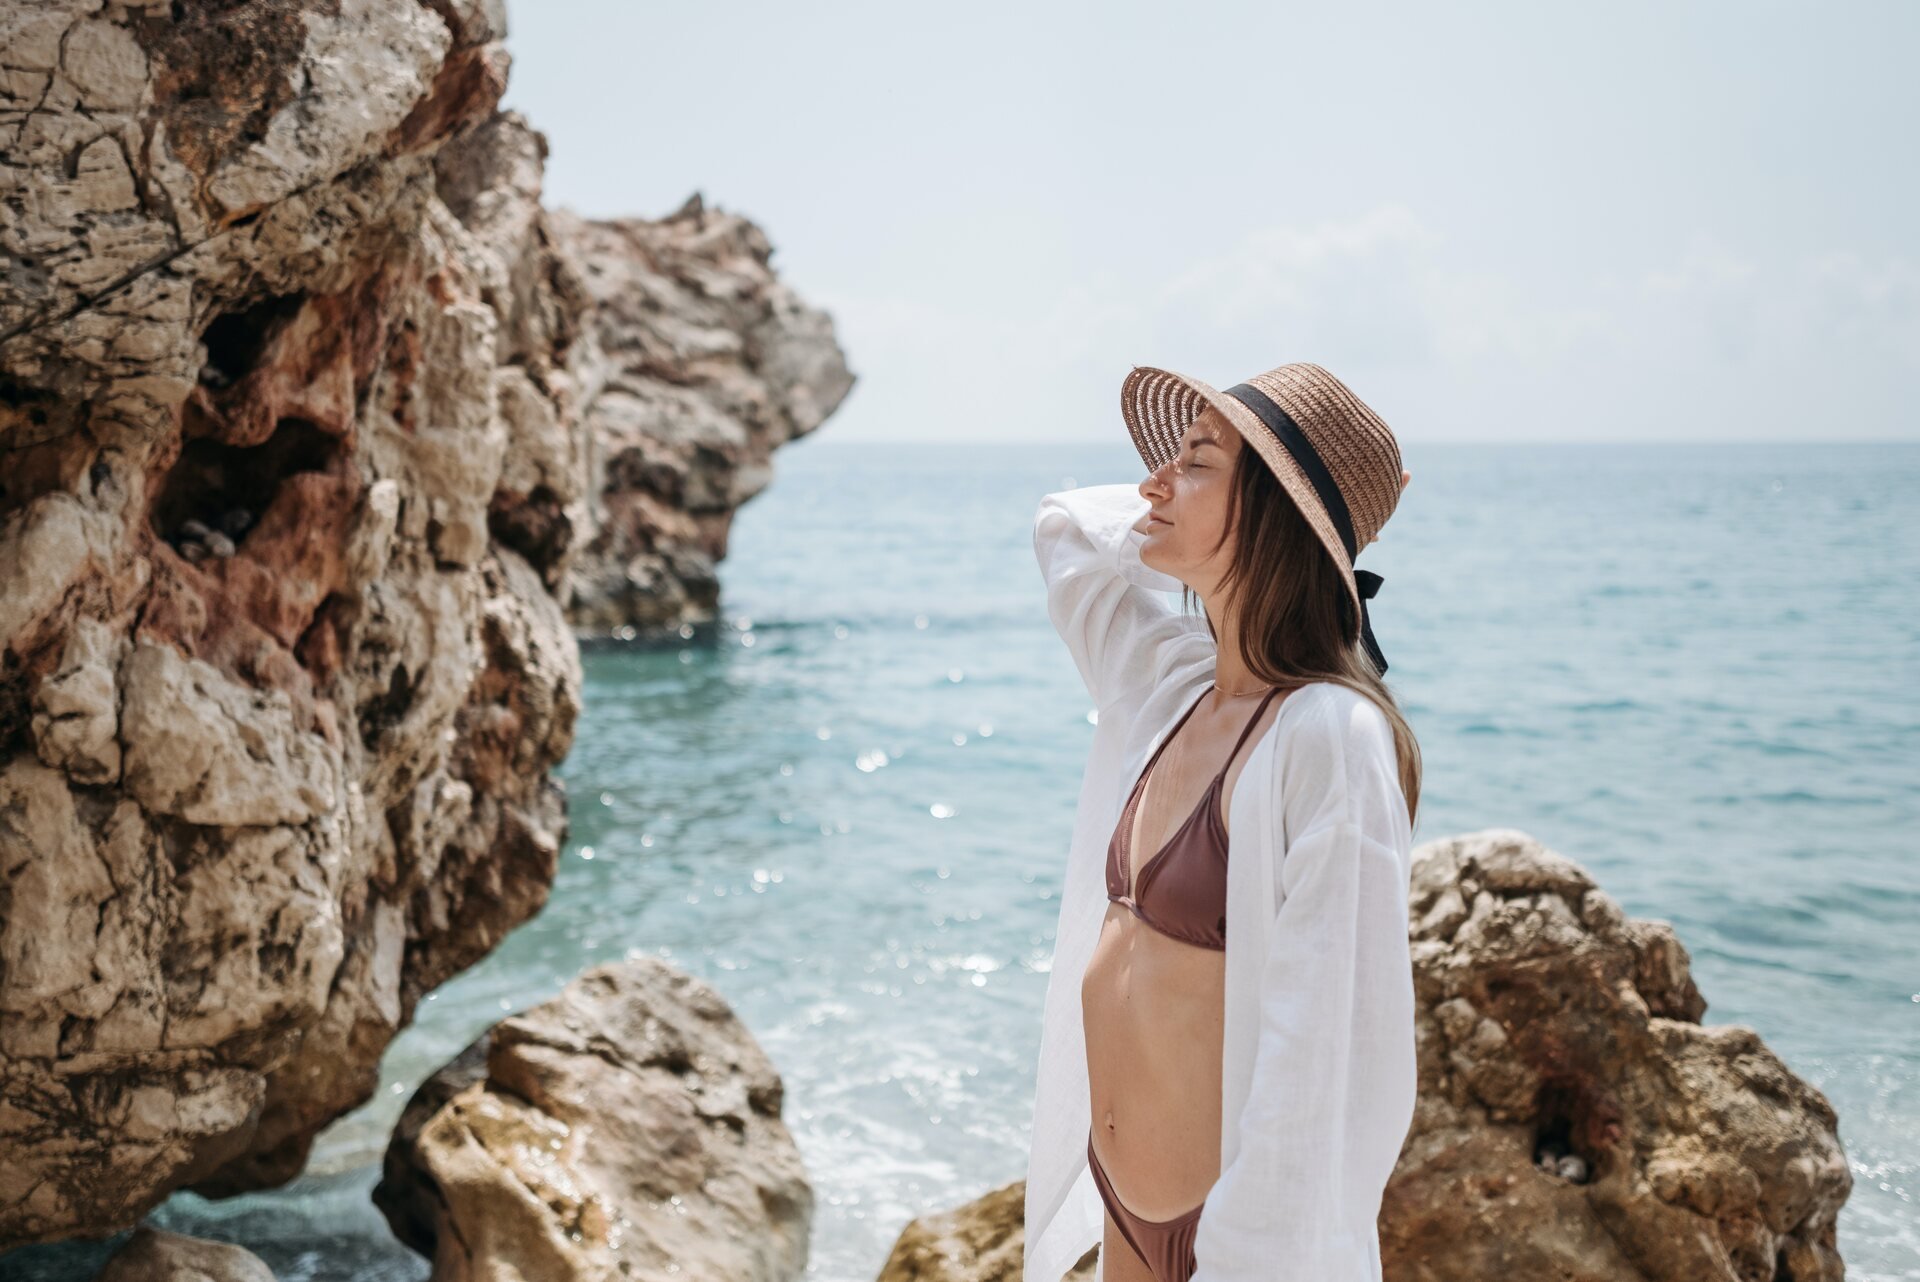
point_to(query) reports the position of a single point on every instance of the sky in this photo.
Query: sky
(1495, 222)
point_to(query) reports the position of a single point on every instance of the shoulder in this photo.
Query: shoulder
(1327, 717)
(1334, 759)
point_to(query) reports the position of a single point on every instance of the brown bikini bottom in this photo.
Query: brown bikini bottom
(1166, 1246)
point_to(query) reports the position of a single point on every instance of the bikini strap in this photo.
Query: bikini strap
(1162, 745)
(1237, 745)
(1248, 730)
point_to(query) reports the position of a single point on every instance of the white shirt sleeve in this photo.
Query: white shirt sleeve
(1103, 600)
(1335, 1072)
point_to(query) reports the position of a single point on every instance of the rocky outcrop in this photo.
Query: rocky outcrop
(153, 1256)
(1575, 1119)
(295, 379)
(627, 1127)
(284, 457)
(982, 1241)
(700, 363)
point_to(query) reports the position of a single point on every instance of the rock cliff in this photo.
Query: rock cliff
(701, 363)
(295, 378)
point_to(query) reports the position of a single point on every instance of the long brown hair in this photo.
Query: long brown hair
(1295, 618)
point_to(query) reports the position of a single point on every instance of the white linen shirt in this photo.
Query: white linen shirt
(1318, 1075)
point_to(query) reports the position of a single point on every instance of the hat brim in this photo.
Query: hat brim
(1158, 405)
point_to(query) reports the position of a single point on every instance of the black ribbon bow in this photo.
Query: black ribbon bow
(1369, 583)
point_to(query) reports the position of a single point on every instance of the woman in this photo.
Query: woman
(1227, 1065)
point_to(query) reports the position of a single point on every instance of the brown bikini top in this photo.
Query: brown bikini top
(1183, 887)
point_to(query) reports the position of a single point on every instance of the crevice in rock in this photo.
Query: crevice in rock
(216, 492)
(321, 647)
(39, 450)
(381, 714)
(235, 340)
(535, 525)
(1563, 1127)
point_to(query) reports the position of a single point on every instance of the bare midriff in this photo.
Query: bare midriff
(1153, 1004)
(1154, 1010)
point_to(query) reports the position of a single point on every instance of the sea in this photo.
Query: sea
(1692, 668)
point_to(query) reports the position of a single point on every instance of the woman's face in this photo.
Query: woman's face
(1189, 496)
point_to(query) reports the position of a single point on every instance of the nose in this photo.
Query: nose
(1155, 484)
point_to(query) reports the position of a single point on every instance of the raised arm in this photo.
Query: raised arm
(1335, 1074)
(1103, 600)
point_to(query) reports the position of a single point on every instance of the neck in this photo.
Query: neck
(1231, 675)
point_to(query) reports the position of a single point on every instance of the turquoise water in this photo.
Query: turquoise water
(1694, 669)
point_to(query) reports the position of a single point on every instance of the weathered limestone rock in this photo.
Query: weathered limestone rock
(75, 712)
(1552, 1027)
(293, 467)
(281, 687)
(154, 1256)
(629, 1126)
(215, 753)
(1576, 1120)
(982, 1241)
(700, 364)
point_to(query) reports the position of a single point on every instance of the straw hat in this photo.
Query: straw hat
(1335, 456)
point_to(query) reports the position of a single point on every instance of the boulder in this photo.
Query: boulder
(981, 1241)
(153, 1256)
(1576, 1119)
(630, 1127)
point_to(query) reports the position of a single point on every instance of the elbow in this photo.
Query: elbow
(1052, 523)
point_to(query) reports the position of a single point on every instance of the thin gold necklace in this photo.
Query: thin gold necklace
(1241, 694)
